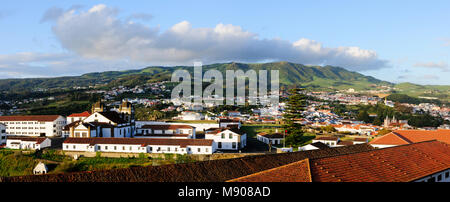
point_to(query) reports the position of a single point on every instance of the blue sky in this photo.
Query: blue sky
(397, 41)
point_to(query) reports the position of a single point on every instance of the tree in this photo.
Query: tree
(328, 129)
(363, 116)
(294, 107)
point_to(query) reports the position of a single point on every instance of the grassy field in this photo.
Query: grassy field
(15, 163)
(253, 129)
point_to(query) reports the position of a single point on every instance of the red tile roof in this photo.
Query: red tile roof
(41, 118)
(395, 164)
(83, 114)
(140, 141)
(293, 172)
(38, 140)
(401, 137)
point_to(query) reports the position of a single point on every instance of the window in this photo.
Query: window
(115, 147)
(73, 146)
(123, 148)
(198, 149)
(168, 148)
(432, 179)
(439, 178)
(106, 147)
(234, 145)
(219, 145)
(230, 136)
(206, 149)
(223, 135)
(447, 174)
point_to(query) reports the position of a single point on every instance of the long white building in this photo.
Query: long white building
(34, 125)
(166, 131)
(32, 143)
(140, 145)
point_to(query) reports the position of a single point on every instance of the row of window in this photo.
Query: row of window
(158, 149)
(30, 133)
(27, 122)
(25, 127)
(233, 145)
(230, 135)
(149, 131)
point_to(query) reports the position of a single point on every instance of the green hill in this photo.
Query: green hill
(291, 74)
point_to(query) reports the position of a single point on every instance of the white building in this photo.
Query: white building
(226, 123)
(273, 138)
(313, 146)
(40, 169)
(77, 117)
(188, 115)
(33, 143)
(2, 134)
(227, 138)
(330, 141)
(166, 131)
(34, 125)
(140, 145)
(101, 124)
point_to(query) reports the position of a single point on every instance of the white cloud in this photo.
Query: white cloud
(97, 39)
(441, 65)
(98, 33)
(27, 65)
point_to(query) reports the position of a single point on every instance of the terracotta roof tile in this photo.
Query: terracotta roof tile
(83, 114)
(41, 118)
(397, 164)
(401, 137)
(293, 172)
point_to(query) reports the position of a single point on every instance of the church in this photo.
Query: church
(104, 122)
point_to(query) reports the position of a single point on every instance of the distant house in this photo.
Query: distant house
(337, 142)
(402, 137)
(331, 141)
(190, 116)
(227, 138)
(33, 143)
(77, 117)
(166, 131)
(40, 169)
(273, 138)
(226, 123)
(234, 113)
(313, 146)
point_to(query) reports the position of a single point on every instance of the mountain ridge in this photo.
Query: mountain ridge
(310, 76)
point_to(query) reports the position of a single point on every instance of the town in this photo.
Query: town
(114, 129)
